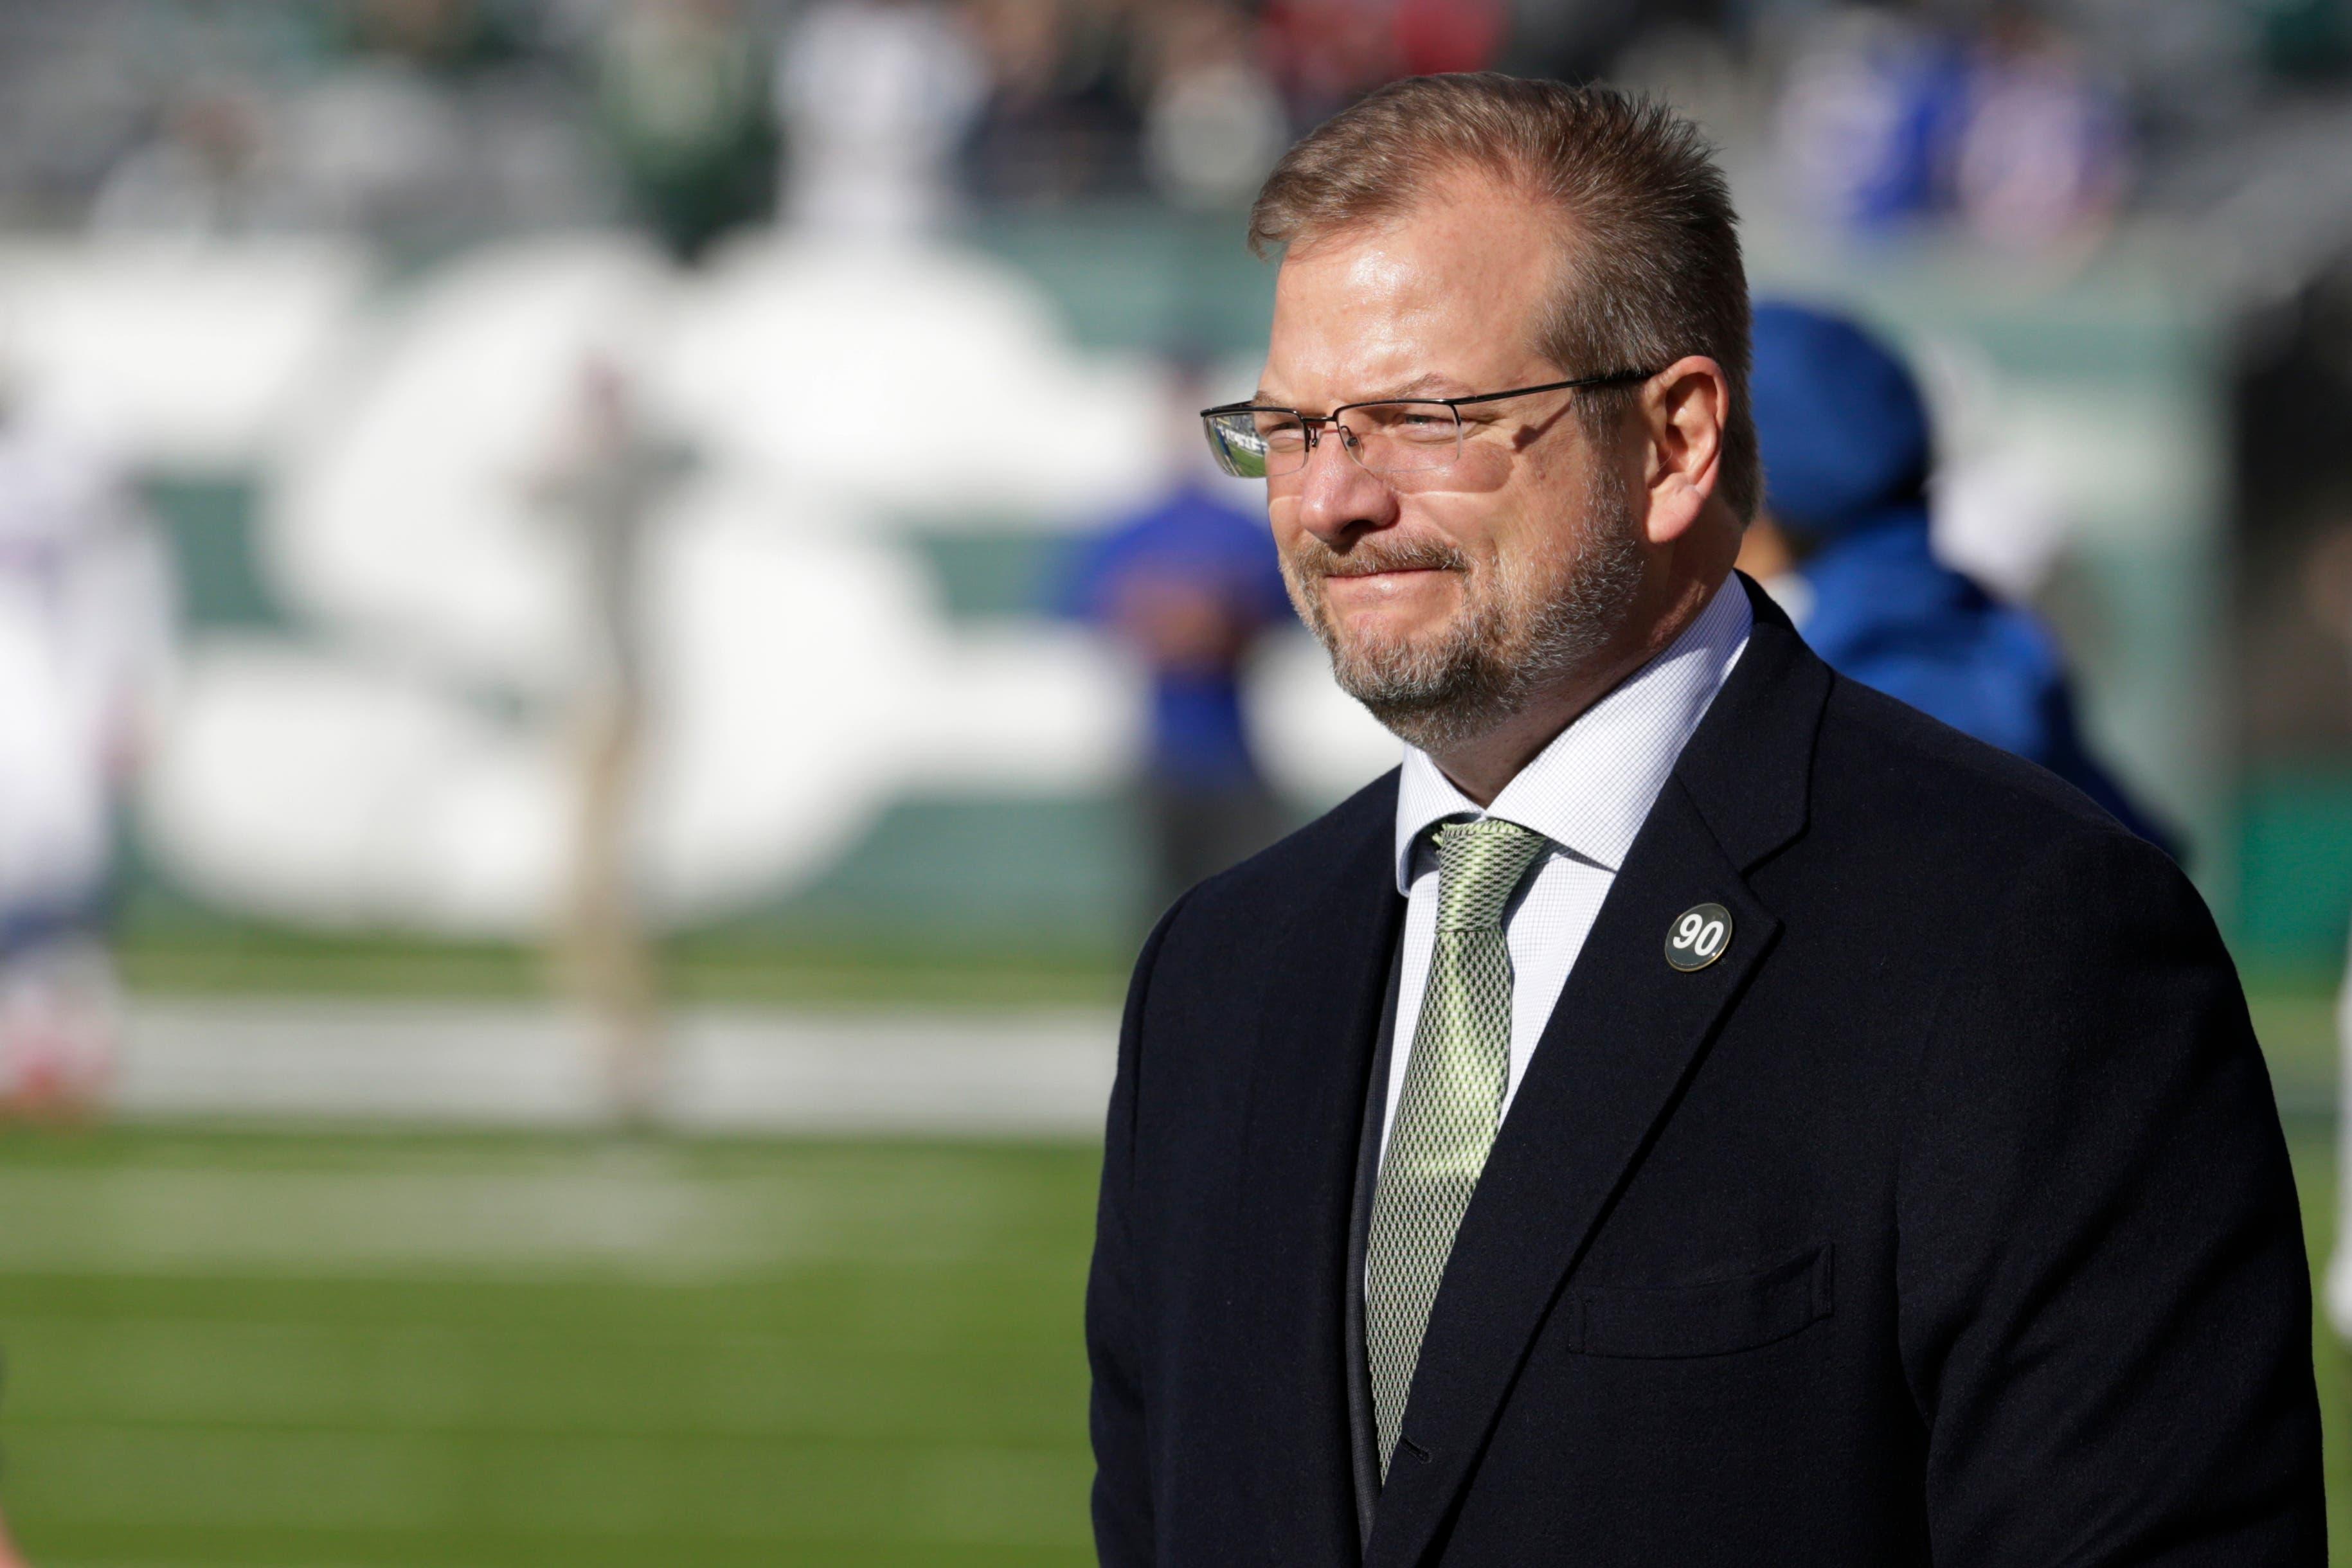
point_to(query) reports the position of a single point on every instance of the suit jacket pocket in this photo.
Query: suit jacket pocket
(1712, 1319)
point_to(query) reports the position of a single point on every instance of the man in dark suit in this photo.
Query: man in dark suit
(1698, 1110)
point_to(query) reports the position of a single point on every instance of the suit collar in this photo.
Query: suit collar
(1749, 766)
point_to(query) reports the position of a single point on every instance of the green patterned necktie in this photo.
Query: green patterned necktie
(1449, 1109)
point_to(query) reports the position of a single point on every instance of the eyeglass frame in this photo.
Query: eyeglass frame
(1313, 424)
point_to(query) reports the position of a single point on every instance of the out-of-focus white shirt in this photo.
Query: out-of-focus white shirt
(1588, 792)
(85, 643)
(876, 100)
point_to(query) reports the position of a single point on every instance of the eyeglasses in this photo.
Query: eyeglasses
(1400, 435)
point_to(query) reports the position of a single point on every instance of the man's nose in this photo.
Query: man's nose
(1336, 496)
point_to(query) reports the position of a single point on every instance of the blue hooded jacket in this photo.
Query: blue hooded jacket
(1844, 437)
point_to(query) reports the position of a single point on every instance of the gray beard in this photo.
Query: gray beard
(1535, 622)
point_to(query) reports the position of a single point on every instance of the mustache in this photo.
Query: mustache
(1314, 559)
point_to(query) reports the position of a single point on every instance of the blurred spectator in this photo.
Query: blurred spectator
(1190, 585)
(1870, 116)
(1061, 120)
(1437, 36)
(440, 38)
(210, 172)
(876, 97)
(382, 150)
(607, 479)
(1842, 543)
(388, 142)
(1214, 123)
(1572, 43)
(2041, 158)
(84, 641)
(687, 117)
(1328, 53)
(1887, 121)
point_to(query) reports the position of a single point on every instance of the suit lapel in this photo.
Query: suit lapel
(1627, 1033)
(1321, 1022)
(1364, 1437)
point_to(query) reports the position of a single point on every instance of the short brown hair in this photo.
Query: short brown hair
(1657, 273)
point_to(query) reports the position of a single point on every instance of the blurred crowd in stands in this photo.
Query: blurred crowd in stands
(423, 123)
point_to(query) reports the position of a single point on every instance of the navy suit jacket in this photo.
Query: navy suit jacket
(1945, 1218)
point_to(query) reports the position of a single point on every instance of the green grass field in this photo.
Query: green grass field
(481, 1351)
(465, 1351)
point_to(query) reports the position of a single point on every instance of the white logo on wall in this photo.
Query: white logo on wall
(802, 672)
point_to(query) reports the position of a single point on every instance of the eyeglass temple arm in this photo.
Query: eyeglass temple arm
(1613, 377)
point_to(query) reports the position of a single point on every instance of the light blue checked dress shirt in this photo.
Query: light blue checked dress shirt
(1588, 792)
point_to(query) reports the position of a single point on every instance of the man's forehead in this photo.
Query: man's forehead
(1425, 307)
(1466, 205)
(1274, 387)
(1426, 251)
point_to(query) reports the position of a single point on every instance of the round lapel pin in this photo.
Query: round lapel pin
(1698, 936)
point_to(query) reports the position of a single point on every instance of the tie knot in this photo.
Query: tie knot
(1479, 866)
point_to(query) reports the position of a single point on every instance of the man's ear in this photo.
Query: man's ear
(1683, 409)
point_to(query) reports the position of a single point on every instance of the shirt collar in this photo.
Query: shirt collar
(1591, 789)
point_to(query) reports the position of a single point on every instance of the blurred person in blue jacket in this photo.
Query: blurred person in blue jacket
(1189, 585)
(1842, 543)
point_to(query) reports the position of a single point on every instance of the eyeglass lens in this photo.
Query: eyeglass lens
(1384, 437)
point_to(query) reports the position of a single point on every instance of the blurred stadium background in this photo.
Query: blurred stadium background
(318, 313)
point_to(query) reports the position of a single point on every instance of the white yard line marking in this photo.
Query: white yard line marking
(1044, 1072)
